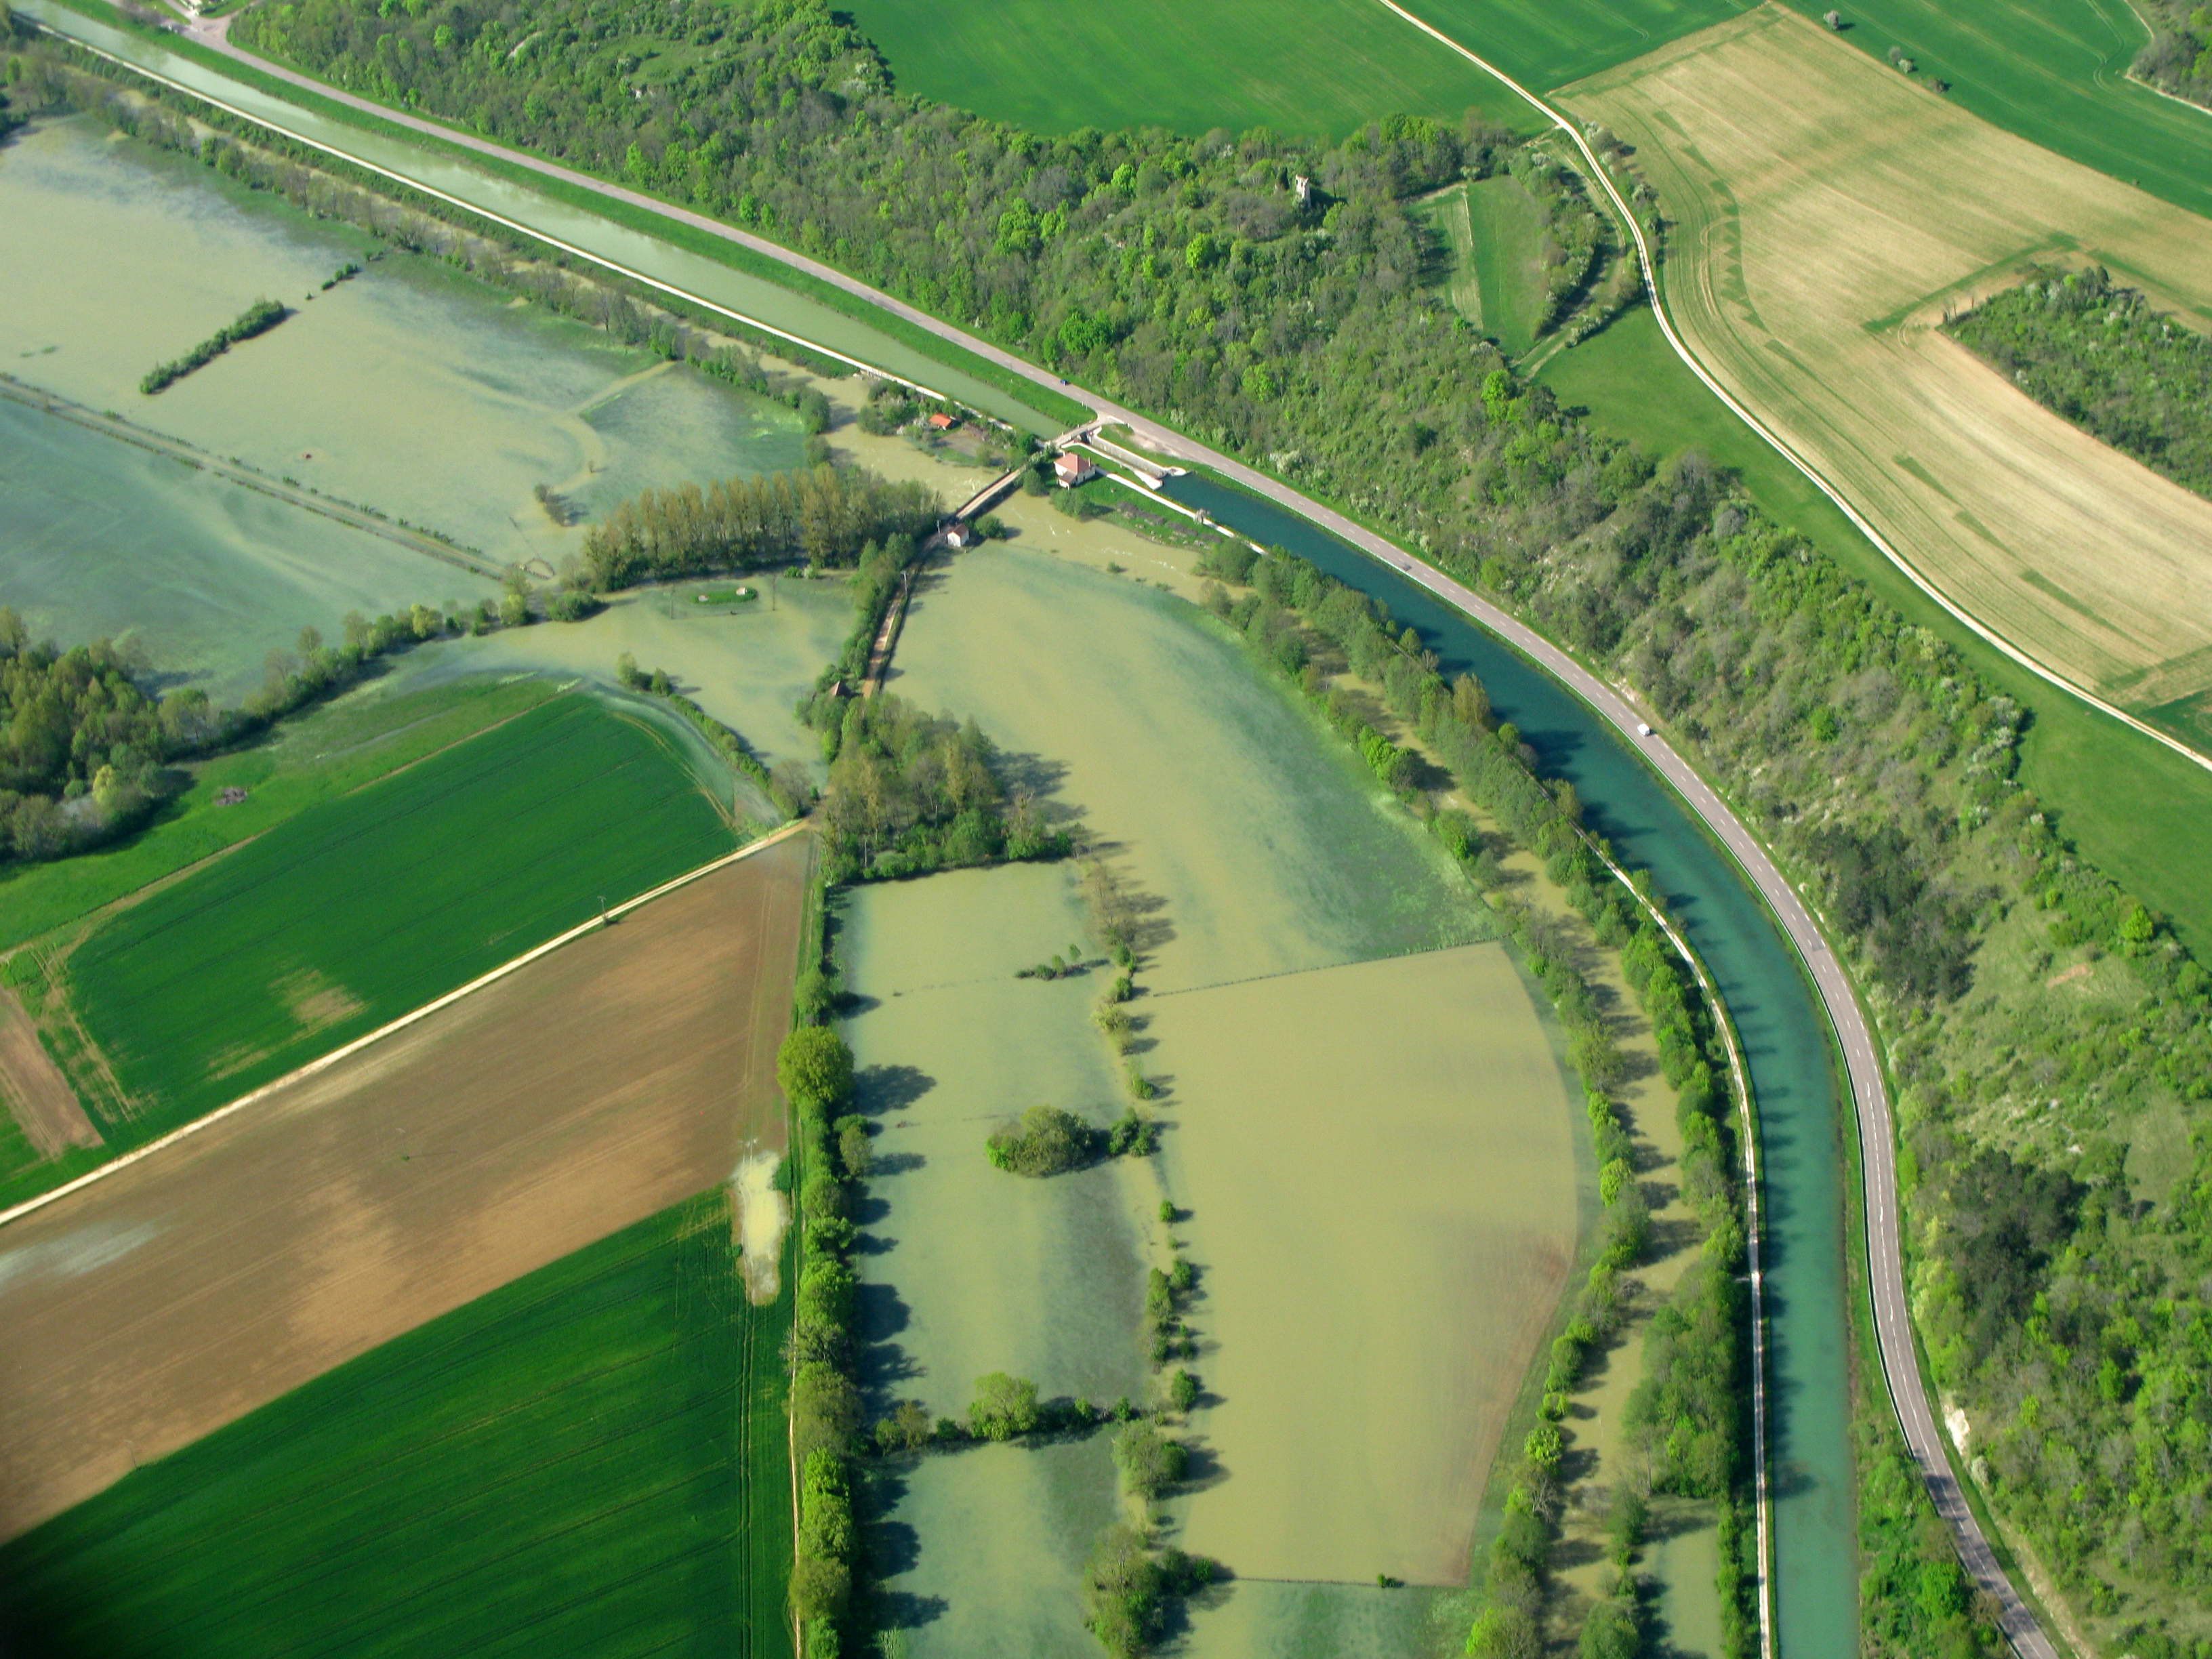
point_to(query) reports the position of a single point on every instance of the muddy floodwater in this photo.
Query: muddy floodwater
(1370, 1144)
(410, 389)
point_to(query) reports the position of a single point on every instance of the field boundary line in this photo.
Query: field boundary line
(1894, 1332)
(1781, 447)
(29, 1205)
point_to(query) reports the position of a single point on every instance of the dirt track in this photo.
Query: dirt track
(586, 1092)
(32, 1088)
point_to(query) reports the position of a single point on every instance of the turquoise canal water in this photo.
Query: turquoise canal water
(1787, 1044)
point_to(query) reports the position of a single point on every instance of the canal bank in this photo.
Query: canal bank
(1787, 1048)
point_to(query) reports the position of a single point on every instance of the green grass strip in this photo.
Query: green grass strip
(1055, 407)
(588, 1461)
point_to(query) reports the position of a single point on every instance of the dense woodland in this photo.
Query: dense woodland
(2179, 58)
(825, 515)
(2099, 356)
(2040, 1019)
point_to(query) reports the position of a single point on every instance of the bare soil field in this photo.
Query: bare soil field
(32, 1088)
(589, 1091)
(1829, 213)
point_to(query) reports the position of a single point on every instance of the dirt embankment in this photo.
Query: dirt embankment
(593, 1088)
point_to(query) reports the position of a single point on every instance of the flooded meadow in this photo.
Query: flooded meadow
(1372, 1158)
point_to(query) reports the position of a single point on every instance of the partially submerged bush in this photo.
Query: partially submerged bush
(1047, 1142)
(1149, 1461)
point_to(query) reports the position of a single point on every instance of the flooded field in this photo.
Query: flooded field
(969, 1269)
(973, 1269)
(1011, 1587)
(102, 537)
(1380, 1165)
(1369, 1139)
(411, 388)
(1268, 848)
(746, 667)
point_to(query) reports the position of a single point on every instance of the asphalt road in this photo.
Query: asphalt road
(1900, 1358)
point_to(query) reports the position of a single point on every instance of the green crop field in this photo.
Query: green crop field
(1320, 70)
(2055, 72)
(1485, 248)
(314, 758)
(2134, 806)
(1547, 43)
(358, 910)
(590, 1460)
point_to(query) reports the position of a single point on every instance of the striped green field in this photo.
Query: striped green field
(2055, 72)
(1319, 70)
(358, 910)
(1547, 43)
(311, 758)
(1486, 241)
(590, 1460)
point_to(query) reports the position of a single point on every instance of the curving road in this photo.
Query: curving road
(1900, 1358)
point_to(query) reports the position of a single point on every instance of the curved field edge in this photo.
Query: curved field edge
(591, 1458)
(2132, 804)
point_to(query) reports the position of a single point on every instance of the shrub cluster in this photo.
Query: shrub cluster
(1048, 1142)
(257, 319)
(826, 515)
(910, 792)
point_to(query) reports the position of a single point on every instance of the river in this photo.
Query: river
(1788, 1046)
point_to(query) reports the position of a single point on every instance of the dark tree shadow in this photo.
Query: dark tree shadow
(887, 1091)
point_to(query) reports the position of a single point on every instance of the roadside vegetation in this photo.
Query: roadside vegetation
(590, 1459)
(2179, 58)
(2101, 356)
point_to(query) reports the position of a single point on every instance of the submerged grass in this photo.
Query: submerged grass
(591, 1460)
(363, 907)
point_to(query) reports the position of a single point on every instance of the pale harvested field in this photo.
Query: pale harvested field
(32, 1088)
(1828, 210)
(1379, 1164)
(594, 1088)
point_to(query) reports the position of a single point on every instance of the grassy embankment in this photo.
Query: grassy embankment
(590, 1460)
(1051, 409)
(362, 907)
(1488, 235)
(2132, 804)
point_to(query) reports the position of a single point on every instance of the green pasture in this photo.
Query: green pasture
(2055, 72)
(316, 757)
(1505, 232)
(1321, 70)
(361, 907)
(2134, 806)
(590, 1460)
(1547, 43)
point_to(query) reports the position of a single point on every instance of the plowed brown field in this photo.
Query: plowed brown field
(590, 1090)
(1828, 211)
